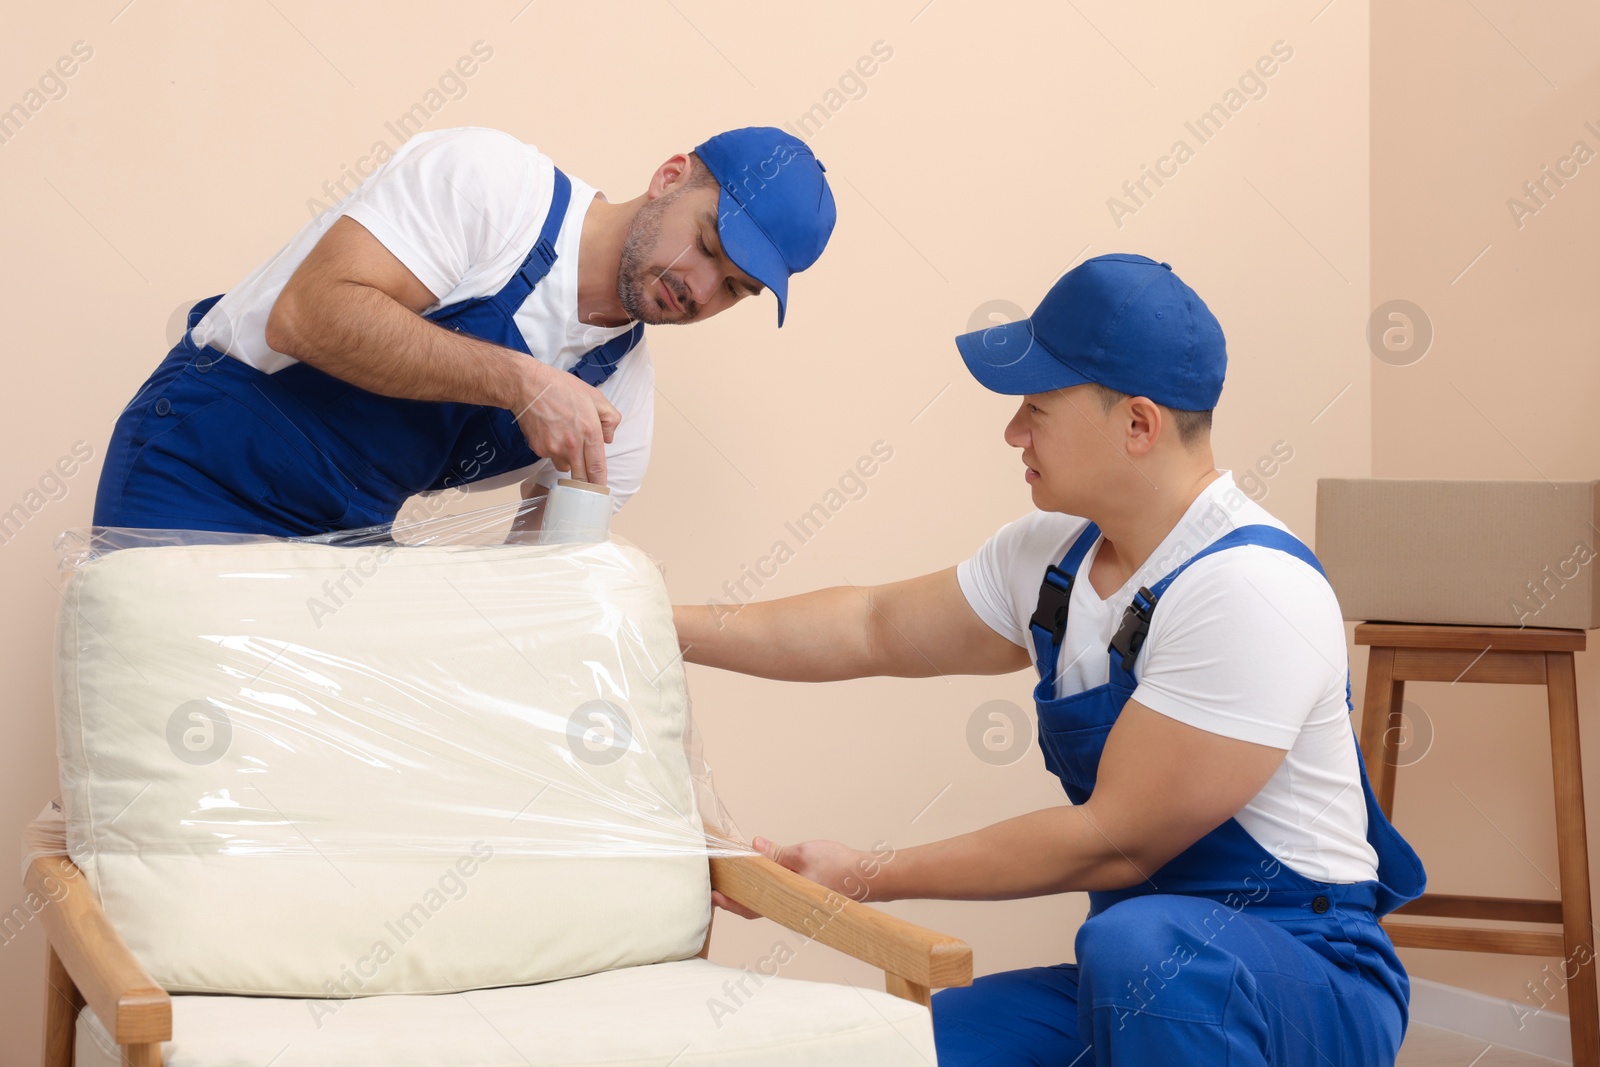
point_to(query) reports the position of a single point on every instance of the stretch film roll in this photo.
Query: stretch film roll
(576, 512)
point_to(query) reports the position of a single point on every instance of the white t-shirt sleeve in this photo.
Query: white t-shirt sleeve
(1005, 572)
(982, 578)
(631, 390)
(1245, 643)
(449, 206)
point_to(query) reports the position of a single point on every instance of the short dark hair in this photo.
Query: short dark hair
(699, 174)
(1193, 426)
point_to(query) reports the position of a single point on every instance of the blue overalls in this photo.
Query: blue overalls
(212, 443)
(1223, 956)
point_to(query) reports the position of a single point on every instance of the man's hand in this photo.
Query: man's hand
(845, 870)
(567, 421)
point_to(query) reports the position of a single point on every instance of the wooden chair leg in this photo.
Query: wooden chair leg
(1583, 992)
(1380, 715)
(141, 1055)
(62, 1002)
(907, 990)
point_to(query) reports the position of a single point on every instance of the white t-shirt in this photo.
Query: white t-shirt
(1247, 643)
(461, 208)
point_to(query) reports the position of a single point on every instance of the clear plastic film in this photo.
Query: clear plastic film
(462, 745)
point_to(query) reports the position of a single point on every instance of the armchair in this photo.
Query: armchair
(454, 815)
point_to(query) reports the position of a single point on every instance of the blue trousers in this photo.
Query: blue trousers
(1166, 979)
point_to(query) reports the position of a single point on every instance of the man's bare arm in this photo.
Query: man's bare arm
(1162, 786)
(911, 629)
(352, 310)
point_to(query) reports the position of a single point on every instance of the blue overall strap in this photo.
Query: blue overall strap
(1255, 534)
(599, 362)
(543, 254)
(1135, 625)
(1049, 622)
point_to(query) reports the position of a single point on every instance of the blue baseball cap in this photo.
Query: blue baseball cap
(1122, 321)
(776, 211)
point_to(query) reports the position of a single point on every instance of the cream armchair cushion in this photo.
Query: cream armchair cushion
(300, 770)
(687, 1014)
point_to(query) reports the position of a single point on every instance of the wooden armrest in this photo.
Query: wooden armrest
(127, 1001)
(904, 950)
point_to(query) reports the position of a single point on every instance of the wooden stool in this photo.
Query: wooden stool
(1403, 652)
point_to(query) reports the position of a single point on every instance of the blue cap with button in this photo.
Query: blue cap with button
(776, 211)
(1120, 320)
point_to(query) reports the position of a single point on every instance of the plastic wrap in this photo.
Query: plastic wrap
(411, 758)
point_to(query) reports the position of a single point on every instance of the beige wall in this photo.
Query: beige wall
(975, 167)
(1469, 102)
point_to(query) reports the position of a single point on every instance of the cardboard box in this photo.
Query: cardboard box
(1482, 553)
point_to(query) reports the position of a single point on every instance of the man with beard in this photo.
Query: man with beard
(385, 350)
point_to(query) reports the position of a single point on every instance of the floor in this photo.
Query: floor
(1428, 1046)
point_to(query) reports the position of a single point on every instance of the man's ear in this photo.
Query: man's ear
(670, 175)
(1145, 423)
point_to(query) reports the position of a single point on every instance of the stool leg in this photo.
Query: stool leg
(1380, 715)
(1573, 848)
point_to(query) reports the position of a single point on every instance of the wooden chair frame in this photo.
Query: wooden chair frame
(90, 964)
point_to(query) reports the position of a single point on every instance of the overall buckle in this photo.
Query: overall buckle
(533, 272)
(1051, 613)
(1135, 626)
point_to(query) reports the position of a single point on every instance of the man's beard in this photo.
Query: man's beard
(633, 274)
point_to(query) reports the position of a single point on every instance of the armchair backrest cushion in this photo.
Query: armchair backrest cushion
(296, 769)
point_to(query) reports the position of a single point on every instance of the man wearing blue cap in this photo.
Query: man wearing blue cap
(1193, 700)
(385, 351)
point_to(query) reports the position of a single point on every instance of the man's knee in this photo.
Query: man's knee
(1132, 939)
(1013, 1017)
(969, 1026)
(1135, 952)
